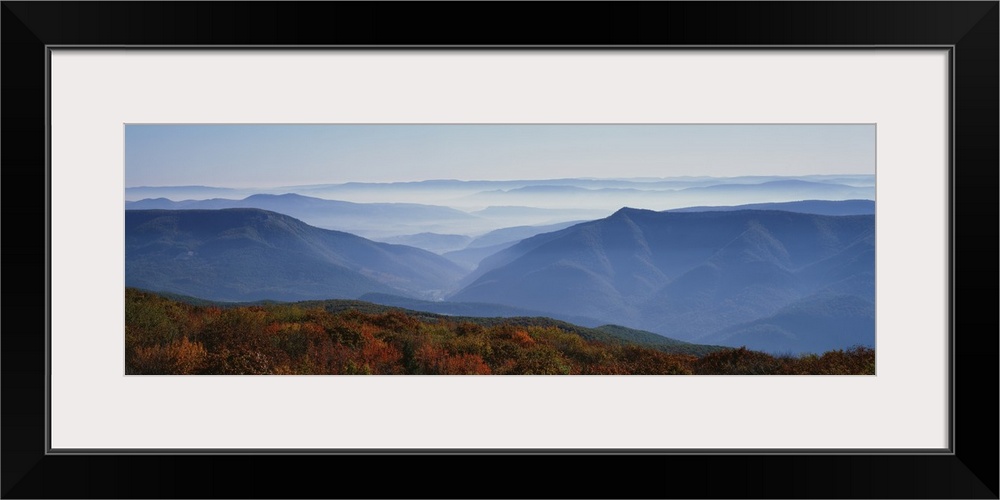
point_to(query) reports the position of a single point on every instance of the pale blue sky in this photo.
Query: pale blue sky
(283, 155)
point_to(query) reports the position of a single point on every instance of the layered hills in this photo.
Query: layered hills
(797, 279)
(700, 276)
(356, 218)
(250, 254)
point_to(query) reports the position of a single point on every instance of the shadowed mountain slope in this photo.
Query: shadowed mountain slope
(683, 275)
(251, 254)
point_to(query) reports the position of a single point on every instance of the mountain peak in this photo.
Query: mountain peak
(627, 210)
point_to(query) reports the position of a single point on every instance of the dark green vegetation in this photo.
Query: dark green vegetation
(471, 309)
(166, 336)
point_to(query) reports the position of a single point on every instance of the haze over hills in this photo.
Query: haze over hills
(819, 207)
(825, 321)
(568, 196)
(252, 254)
(687, 275)
(469, 252)
(533, 216)
(367, 219)
(434, 242)
(457, 193)
(434, 191)
(136, 193)
(732, 261)
(494, 241)
(383, 211)
(395, 222)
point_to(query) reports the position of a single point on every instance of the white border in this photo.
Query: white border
(95, 92)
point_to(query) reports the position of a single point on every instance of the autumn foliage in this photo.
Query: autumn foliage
(163, 336)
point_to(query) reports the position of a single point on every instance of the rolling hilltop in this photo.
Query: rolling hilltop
(164, 336)
(251, 254)
(363, 218)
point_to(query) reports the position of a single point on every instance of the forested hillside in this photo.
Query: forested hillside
(165, 336)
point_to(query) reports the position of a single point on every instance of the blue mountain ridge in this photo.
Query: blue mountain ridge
(251, 254)
(686, 275)
(772, 280)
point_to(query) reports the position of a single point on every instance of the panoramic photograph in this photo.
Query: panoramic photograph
(500, 249)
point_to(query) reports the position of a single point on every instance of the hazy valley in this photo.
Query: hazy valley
(778, 264)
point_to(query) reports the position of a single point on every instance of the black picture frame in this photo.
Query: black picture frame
(969, 28)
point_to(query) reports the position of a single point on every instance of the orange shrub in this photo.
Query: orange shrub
(180, 357)
(168, 337)
(434, 361)
(521, 338)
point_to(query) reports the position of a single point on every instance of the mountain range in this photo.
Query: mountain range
(566, 194)
(700, 276)
(390, 219)
(651, 196)
(252, 254)
(776, 277)
(818, 207)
